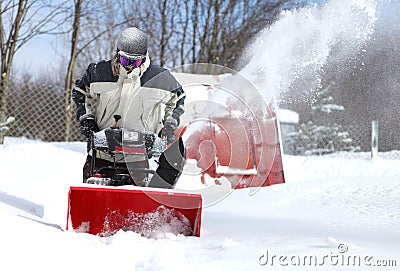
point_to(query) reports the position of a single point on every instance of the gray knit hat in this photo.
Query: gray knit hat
(132, 43)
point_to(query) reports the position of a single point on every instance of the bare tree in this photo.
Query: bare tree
(69, 81)
(185, 26)
(20, 21)
(202, 31)
(226, 27)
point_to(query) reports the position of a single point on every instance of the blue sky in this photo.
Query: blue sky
(36, 53)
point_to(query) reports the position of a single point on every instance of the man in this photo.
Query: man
(147, 97)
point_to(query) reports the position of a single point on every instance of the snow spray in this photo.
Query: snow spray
(352, 47)
(298, 45)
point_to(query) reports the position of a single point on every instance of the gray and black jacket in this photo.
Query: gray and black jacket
(144, 101)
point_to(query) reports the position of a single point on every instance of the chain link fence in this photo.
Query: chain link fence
(355, 138)
(39, 113)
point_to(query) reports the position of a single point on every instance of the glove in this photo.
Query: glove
(168, 131)
(88, 125)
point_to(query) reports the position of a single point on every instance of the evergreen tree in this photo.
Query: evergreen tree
(314, 139)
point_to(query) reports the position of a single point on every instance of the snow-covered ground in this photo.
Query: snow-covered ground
(330, 210)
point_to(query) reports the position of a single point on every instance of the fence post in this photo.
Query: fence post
(374, 139)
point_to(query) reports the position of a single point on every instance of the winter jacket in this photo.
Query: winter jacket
(143, 102)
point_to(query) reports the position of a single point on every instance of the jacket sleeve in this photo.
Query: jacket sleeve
(80, 90)
(161, 78)
(175, 106)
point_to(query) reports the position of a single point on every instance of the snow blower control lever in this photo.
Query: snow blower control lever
(116, 118)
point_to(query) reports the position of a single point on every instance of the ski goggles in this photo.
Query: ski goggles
(125, 61)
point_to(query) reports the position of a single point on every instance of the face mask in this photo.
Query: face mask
(132, 74)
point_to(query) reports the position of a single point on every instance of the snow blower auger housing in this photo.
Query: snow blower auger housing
(103, 205)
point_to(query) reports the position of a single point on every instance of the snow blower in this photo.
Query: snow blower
(103, 205)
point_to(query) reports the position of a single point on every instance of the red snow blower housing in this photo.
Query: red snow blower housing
(104, 205)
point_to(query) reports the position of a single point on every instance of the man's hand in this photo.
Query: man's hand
(88, 125)
(168, 131)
